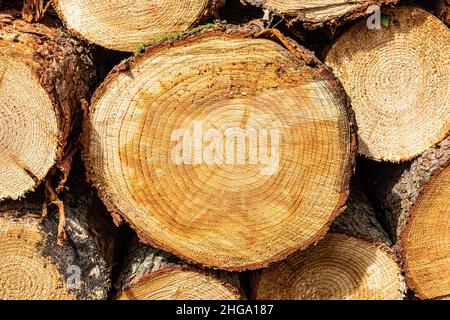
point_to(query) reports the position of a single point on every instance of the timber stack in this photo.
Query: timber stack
(216, 148)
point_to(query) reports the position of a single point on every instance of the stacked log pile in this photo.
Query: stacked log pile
(217, 148)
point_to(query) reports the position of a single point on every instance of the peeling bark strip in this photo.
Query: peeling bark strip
(33, 266)
(43, 77)
(414, 200)
(228, 215)
(398, 88)
(317, 13)
(32, 10)
(354, 262)
(152, 274)
(126, 25)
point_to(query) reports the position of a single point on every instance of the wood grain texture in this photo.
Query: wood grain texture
(314, 14)
(33, 266)
(397, 79)
(395, 188)
(413, 200)
(152, 274)
(425, 239)
(124, 25)
(234, 216)
(43, 78)
(354, 261)
(339, 267)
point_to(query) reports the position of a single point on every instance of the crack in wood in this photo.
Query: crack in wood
(19, 164)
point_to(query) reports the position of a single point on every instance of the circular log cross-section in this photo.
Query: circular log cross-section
(425, 240)
(339, 267)
(43, 77)
(152, 274)
(397, 79)
(25, 273)
(179, 284)
(220, 156)
(124, 25)
(34, 267)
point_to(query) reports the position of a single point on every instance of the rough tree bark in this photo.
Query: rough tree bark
(443, 10)
(360, 218)
(413, 199)
(125, 25)
(33, 266)
(238, 214)
(318, 13)
(43, 77)
(152, 274)
(354, 261)
(397, 79)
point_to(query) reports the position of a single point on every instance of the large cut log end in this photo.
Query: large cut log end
(220, 156)
(397, 79)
